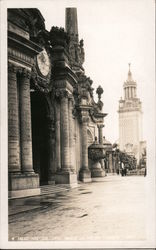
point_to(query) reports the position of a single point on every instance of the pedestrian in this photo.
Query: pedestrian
(122, 169)
(125, 171)
(145, 172)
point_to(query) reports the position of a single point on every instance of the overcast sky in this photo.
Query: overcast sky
(115, 32)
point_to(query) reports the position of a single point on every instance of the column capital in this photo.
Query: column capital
(62, 93)
(71, 99)
(12, 68)
(84, 119)
(100, 125)
(24, 73)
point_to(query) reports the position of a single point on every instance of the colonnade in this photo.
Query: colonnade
(20, 134)
(19, 121)
(130, 92)
(64, 132)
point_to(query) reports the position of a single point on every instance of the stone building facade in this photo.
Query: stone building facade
(52, 115)
(130, 119)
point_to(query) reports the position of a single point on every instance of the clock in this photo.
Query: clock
(43, 62)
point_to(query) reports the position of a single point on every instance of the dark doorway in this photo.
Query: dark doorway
(39, 135)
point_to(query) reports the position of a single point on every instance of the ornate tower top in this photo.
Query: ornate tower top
(129, 78)
(129, 86)
(76, 49)
(71, 25)
(130, 100)
(129, 74)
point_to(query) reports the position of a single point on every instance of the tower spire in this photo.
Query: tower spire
(129, 73)
(130, 86)
(71, 25)
(76, 50)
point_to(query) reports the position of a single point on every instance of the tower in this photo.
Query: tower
(76, 50)
(71, 22)
(130, 119)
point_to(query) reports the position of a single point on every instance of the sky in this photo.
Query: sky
(115, 33)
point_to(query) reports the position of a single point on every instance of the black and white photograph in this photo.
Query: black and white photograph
(78, 124)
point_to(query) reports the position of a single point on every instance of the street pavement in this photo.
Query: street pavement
(114, 209)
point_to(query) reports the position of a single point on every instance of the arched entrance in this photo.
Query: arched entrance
(40, 135)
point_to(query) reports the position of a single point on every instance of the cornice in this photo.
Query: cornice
(23, 44)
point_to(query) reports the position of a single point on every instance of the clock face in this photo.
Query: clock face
(43, 63)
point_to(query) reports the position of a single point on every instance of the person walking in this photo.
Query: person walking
(145, 172)
(122, 169)
(125, 171)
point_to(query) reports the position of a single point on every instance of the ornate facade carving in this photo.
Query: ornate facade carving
(56, 98)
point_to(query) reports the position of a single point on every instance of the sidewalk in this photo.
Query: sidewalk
(111, 210)
(27, 204)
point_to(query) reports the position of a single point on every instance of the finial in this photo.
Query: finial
(129, 73)
(99, 91)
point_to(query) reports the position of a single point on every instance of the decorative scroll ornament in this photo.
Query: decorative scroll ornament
(43, 63)
(76, 52)
(61, 93)
(58, 37)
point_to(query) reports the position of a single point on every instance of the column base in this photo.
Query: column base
(51, 179)
(51, 182)
(24, 193)
(97, 171)
(85, 175)
(98, 179)
(63, 177)
(23, 185)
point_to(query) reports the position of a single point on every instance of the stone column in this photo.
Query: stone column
(131, 92)
(58, 142)
(25, 122)
(64, 133)
(100, 132)
(126, 91)
(65, 176)
(85, 174)
(84, 144)
(100, 127)
(71, 135)
(13, 122)
(51, 147)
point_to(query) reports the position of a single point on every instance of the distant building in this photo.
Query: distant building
(130, 120)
